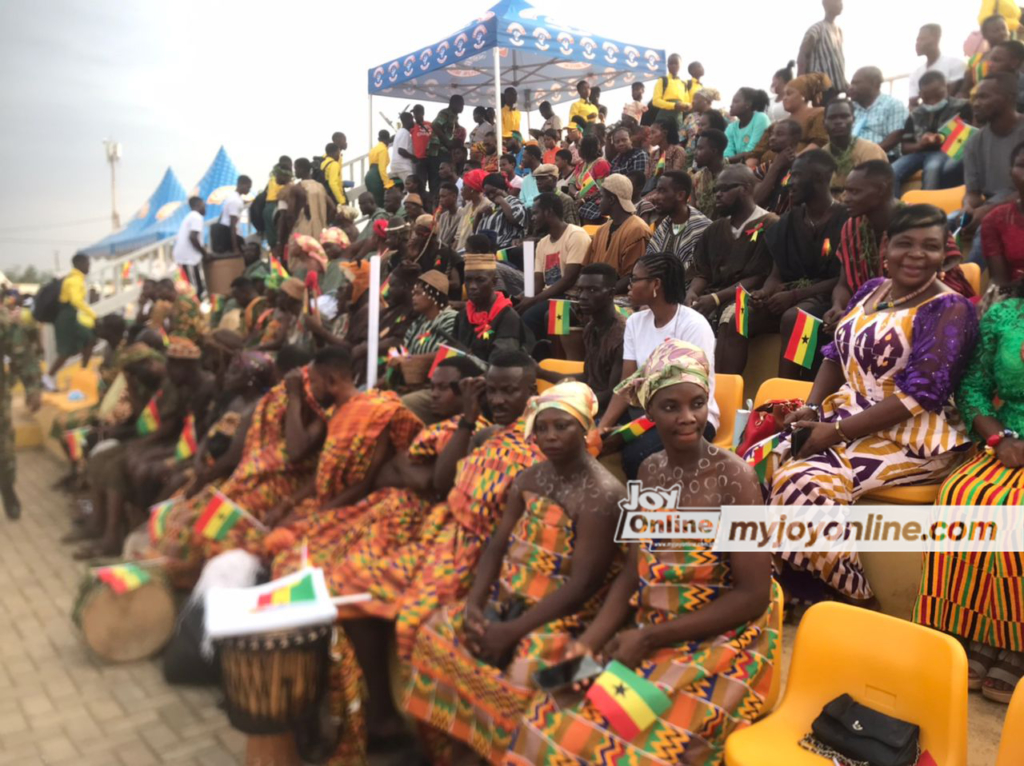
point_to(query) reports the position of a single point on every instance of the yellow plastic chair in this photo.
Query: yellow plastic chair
(773, 692)
(782, 388)
(1011, 745)
(562, 367)
(591, 229)
(972, 273)
(729, 396)
(949, 200)
(896, 667)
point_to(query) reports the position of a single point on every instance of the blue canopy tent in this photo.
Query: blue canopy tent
(157, 219)
(514, 44)
(217, 182)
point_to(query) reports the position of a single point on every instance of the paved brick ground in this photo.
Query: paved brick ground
(58, 705)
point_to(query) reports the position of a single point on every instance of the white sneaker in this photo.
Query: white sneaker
(49, 383)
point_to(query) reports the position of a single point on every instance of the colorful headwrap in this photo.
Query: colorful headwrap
(310, 247)
(183, 348)
(811, 86)
(380, 227)
(474, 179)
(672, 363)
(569, 396)
(334, 236)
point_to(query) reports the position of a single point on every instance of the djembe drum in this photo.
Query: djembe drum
(128, 626)
(273, 682)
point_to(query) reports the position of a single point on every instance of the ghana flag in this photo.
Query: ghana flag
(501, 256)
(277, 269)
(955, 134)
(219, 518)
(75, 440)
(742, 311)
(587, 182)
(122, 578)
(187, 443)
(149, 419)
(635, 429)
(158, 519)
(126, 271)
(759, 457)
(630, 702)
(288, 594)
(443, 352)
(803, 343)
(558, 317)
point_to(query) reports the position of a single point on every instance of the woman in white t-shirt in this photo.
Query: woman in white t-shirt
(658, 282)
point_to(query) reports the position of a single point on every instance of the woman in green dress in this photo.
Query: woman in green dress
(977, 596)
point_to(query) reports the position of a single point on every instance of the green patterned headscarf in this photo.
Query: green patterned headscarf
(672, 363)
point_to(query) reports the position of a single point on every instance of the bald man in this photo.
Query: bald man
(732, 251)
(877, 116)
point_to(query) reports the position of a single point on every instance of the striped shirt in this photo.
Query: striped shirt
(827, 52)
(886, 115)
(668, 238)
(506, 233)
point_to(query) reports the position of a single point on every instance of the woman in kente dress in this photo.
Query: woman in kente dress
(542, 578)
(695, 622)
(880, 411)
(977, 596)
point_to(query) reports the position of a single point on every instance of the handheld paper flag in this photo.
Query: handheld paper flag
(219, 518)
(443, 352)
(630, 702)
(803, 343)
(635, 429)
(558, 317)
(149, 418)
(742, 311)
(187, 443)
(122, 578)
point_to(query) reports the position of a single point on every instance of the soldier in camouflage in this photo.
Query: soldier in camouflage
(18, 358)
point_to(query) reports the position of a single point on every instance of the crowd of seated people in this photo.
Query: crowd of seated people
(478, 513)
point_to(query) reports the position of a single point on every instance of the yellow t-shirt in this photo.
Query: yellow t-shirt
(72, 292)
(583, 109)
(1008, 9)
(509, 121)
(668, 94)
(379, 156)
(273, 189)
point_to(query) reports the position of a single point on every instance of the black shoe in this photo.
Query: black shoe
(12, 506)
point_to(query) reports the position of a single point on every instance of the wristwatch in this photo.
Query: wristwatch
(815, 408)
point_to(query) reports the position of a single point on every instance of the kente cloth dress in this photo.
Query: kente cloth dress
(477, 703)
(717, 685)
(917, 355)
(434, 567)
(263, 478)
(980, 596)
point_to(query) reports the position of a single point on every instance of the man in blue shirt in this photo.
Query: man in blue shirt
(877, 116)
(531, 161)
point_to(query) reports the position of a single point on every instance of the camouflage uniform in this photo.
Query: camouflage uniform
(18, 357)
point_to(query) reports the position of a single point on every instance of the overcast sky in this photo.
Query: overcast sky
(173, 81)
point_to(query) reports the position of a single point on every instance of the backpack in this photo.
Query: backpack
(320, 176)
(256, 211)
(649, 117)
(47, 301)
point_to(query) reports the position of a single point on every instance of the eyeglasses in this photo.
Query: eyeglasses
(633, 279)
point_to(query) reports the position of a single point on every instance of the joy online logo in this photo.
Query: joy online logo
(611, 52)
(378, 76)
(589, 48)
(654, 515)
(409, 66)
(442, 51)
(460, 44)
(632, 55)
(425, 55)
(479, 37)
(653, 60)
(393, 71)
(543, 38)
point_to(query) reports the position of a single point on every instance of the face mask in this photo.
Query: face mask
(936, 107)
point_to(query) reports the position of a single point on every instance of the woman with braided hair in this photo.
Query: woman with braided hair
(658, 282)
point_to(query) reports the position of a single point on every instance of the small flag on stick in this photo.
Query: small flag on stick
(187, 442)
(158, 519)
(217, 303)
(742, 311)
(149, 418)
(803, 343)
(443, 352)
(635, 429)
(75, 439)
(288, 594)
(122, 578)
(759, 457)
(277, 269)
(219, 518)
(630, 702)
(501, 256)
(955, 134)
(558, 317)
(126, 271)
(626, 311)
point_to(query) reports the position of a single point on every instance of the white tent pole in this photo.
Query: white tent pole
(369, 124)
(373, 331)
(497, 100)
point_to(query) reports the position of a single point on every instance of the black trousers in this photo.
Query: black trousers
(195, 278)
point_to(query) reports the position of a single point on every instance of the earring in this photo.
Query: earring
(655, 292)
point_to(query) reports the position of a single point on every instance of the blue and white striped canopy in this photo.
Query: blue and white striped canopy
(541, 57)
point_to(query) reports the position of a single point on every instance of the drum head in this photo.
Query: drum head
(129, 627)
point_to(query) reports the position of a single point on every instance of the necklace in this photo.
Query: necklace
(824, 219)
(891, 303)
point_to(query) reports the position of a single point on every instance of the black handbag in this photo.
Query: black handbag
(856, 735)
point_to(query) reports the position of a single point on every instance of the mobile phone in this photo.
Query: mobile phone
(568, 673)
(796, 441)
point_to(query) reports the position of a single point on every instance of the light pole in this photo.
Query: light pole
(113, 156)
